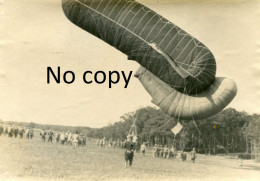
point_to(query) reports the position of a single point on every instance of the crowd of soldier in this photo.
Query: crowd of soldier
(171, 153)
(63, 138)
(16, 131)
(67, 138)
(164, 152)
(158, 151)
(117, 144)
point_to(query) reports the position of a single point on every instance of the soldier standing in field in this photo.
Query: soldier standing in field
(165, 151)
(62, 138)
(183, 155)
(21, 131)
(161, 151)
(51, 134)
(69, 138)
(154, 151)
(129, 150)
(193, 155)
(1, 129)
(42, 134)
(143, 147)
(75, 140)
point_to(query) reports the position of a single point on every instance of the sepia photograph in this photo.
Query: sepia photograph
(130, 90)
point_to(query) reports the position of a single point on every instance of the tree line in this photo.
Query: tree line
(229, 131)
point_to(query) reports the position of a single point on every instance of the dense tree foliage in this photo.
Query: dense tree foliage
(251, 130)
(226, 132)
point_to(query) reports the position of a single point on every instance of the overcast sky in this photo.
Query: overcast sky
(35, 34)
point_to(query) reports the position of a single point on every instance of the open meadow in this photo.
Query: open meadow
(22, 159)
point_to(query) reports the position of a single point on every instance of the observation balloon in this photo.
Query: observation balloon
(176, 69)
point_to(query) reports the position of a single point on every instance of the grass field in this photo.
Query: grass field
(22, 159)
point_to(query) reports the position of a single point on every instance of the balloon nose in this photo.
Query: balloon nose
(187, 107)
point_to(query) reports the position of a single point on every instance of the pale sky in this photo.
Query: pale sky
(36, 34)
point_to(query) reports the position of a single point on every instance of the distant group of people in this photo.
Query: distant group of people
(64, 138)
(68, 138)
(16, 131)
(164, 152)
(130, 147)
(117, 144)
(170, 153)
(158, 151)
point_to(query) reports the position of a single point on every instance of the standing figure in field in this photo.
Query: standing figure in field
(172, 152)
(1, 129)
(165, 151)
(103, 142)
(62, 138)
(143, 147)
(75, 140)
(6, 130)
(137, 145)
(158, 151)
(50, 134)
(66, 138)
(193, 155)
(10, 131)
(27, 133)
(122, 144)
(183, 156)
(129, 151)
(16, 131)
(30, 133)
(155, 151)
(161, 151)
(82, 140)
(43, 135)
(69, 140)
(57, 137)
(97, 142)
(114, 144)
(21, 131)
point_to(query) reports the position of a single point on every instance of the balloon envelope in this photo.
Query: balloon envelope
(134, 29)
(178, 70)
